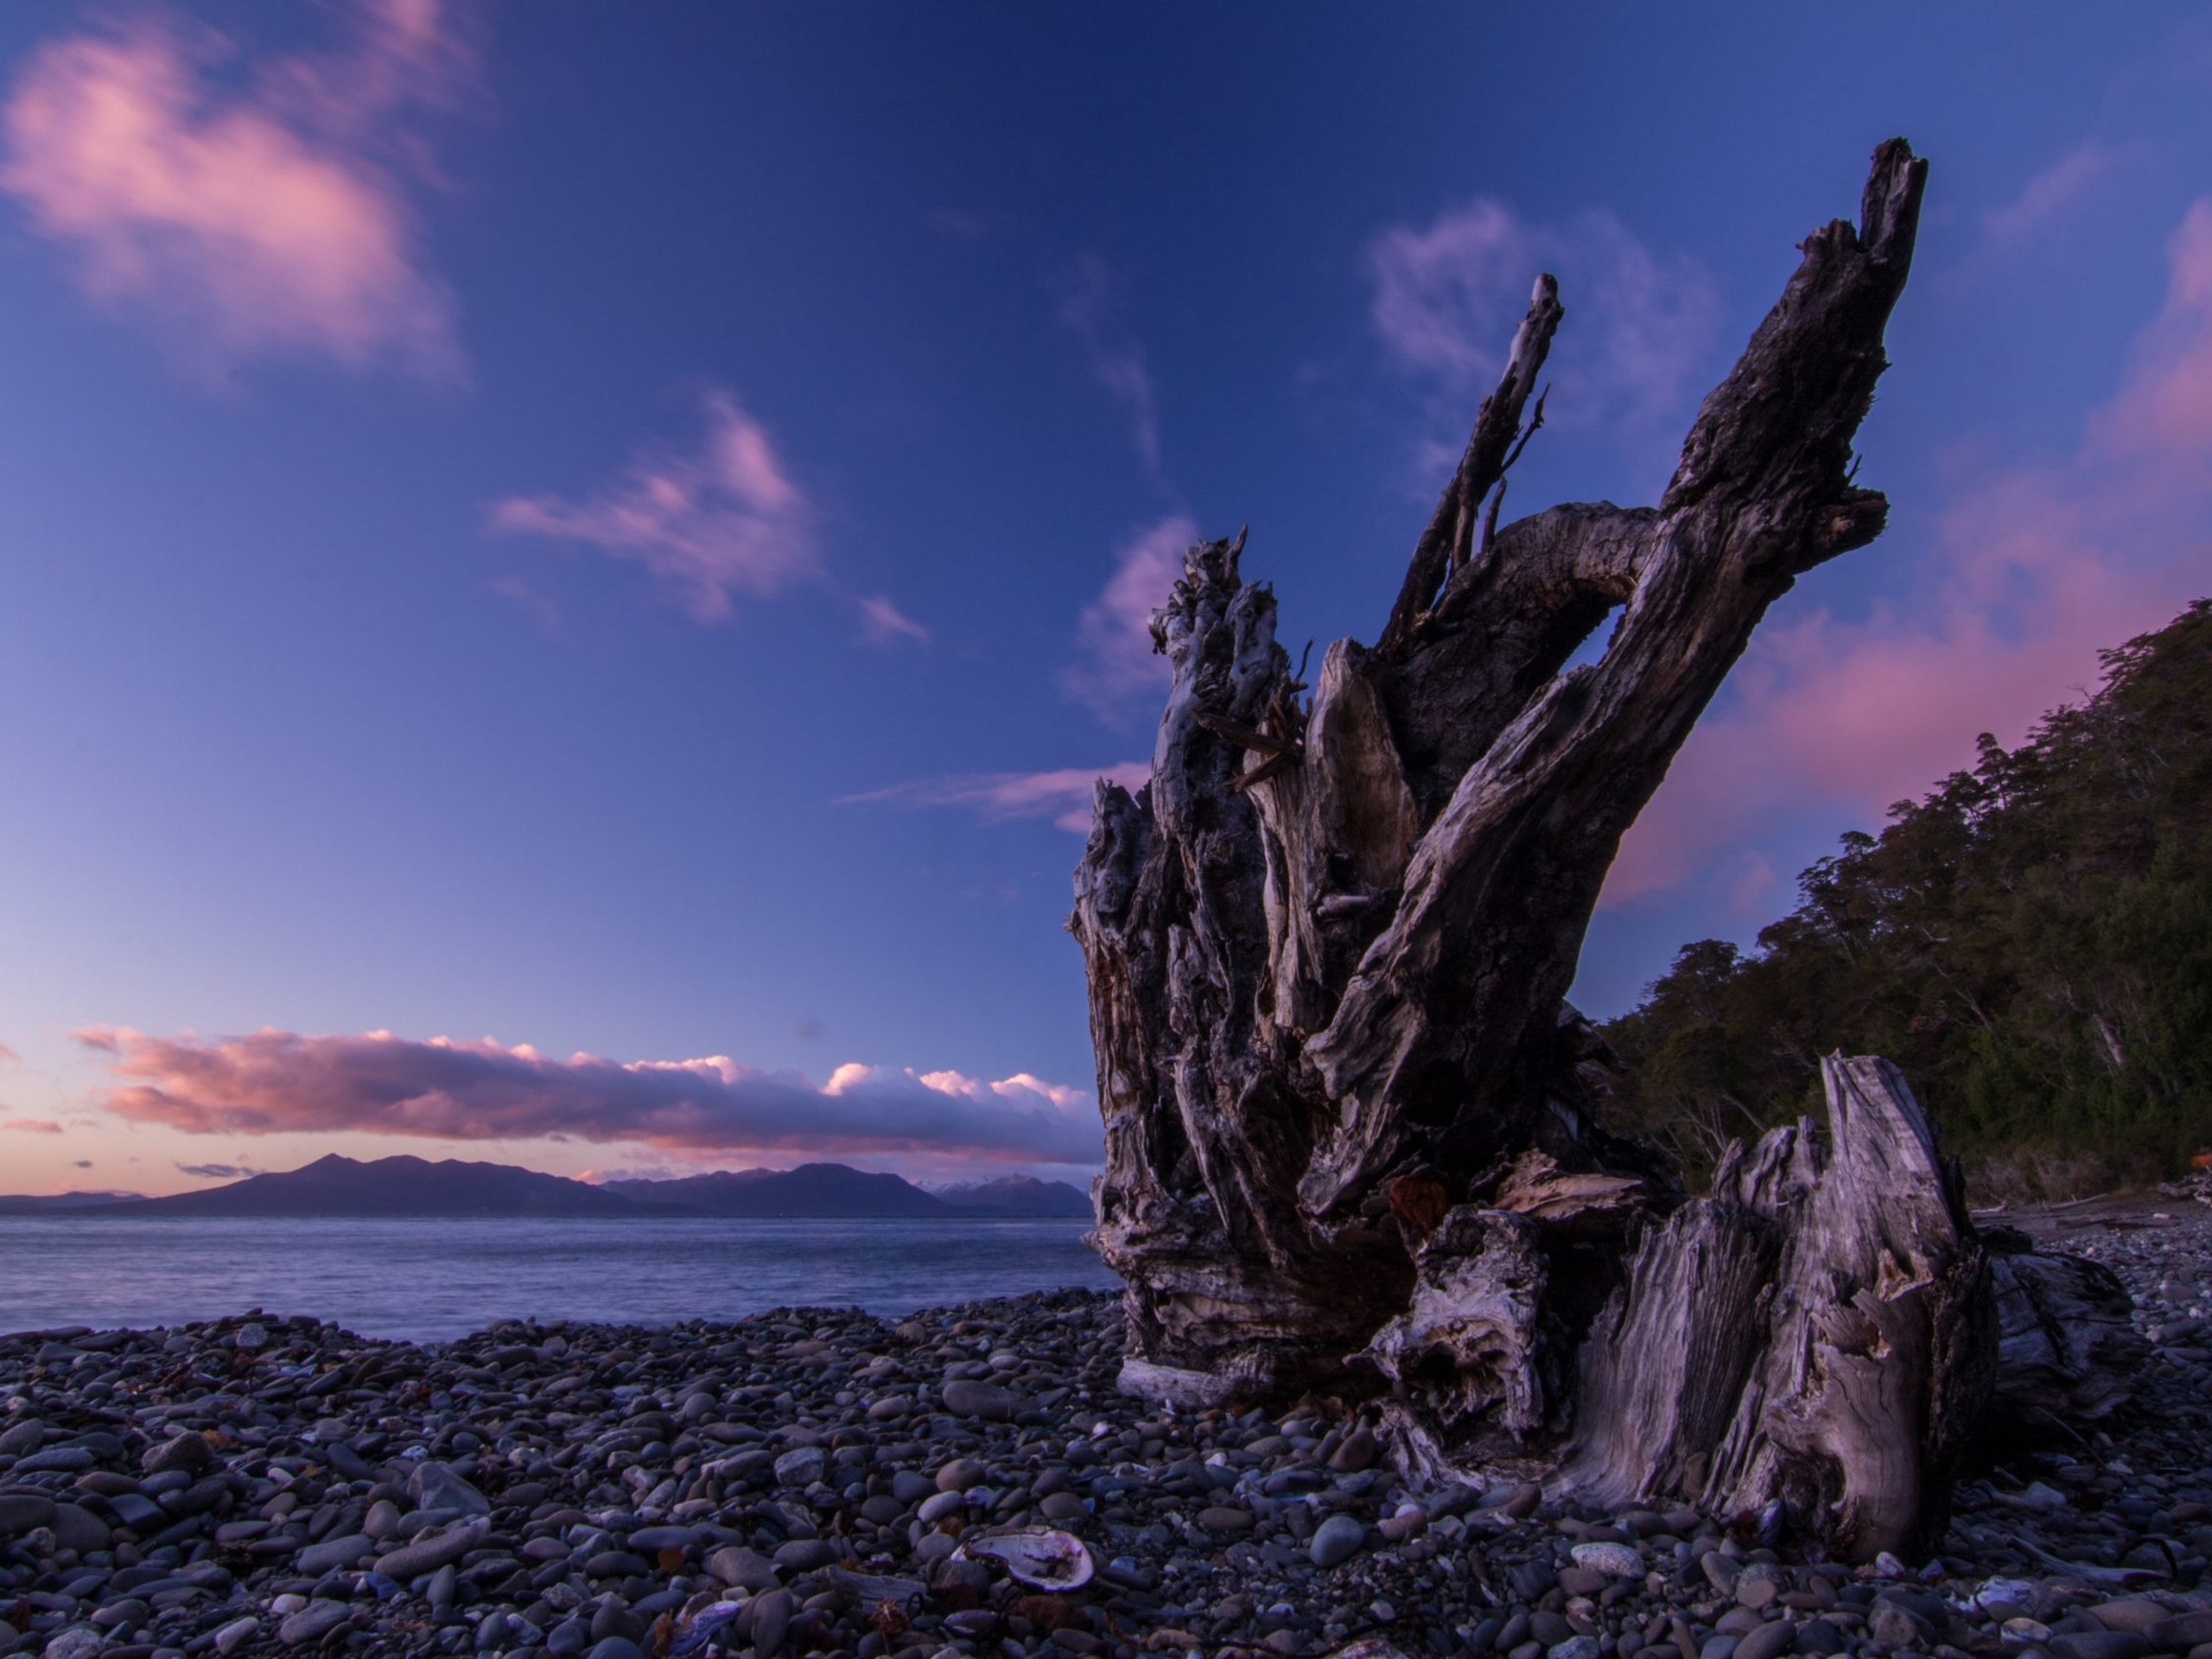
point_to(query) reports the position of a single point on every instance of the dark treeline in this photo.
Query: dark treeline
(2032, 943)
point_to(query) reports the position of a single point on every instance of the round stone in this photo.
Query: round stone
(1620, 1560)
(1336, 1540)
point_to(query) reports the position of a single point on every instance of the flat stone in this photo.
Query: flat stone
(21, 1511)
(616, 1646)
(1584, 1581)
(805, 1555)
(1336, 1540)
(1531, 1581)
(742, 1568)
(967, 1397)
(771, 1619)
(2133, 1614)
(1769, 1640)
(651, 1541)
(960, 1474)
(139, 1513)
(1900, 1627)
(313, 1621)
(77, 1528)
(935, 1509)
(1408, 1522)
(801, 1466)
(318, 1559)
(427, 1555)
(909, 1487)
(187, 1451)
(1616, 1560)
(433, 1486)
(1223, 1519)
(60, 1460)
(2181, 1633)
(1354, 1452)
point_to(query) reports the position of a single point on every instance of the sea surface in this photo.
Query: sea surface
(434, 1280)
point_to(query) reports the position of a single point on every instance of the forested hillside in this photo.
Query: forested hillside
(2032, 943)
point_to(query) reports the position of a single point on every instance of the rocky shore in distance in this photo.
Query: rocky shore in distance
(804, 1481)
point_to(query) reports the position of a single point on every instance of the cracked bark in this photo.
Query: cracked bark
(1353, 1130)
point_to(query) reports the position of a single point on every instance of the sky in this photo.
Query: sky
(569, 569)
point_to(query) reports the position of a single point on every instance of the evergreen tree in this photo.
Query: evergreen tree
(2032, 943)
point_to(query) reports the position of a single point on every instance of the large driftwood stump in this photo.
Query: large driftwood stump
(1353, 1130)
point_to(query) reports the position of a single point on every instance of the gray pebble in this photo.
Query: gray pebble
(1336, 1540)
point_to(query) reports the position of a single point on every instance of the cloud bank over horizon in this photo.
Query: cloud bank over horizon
(283, 1083)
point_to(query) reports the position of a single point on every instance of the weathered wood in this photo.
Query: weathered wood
(1352, 1127)
(1819, 1334)
(2068, 1349)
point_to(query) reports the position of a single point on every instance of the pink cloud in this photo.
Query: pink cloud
(883, 623)
(32, 1126)
(709, 525)
(1087, 308)
(281, 1082)
(272, 219)
(2034, 570)
(520, 594)
(1063, 796)
(2047, 197)
(1116, 669)
(8, 1057)
(1641, 326)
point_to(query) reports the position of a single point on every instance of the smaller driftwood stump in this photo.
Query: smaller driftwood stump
(1354, 1132)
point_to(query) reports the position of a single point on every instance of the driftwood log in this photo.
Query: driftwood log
(1354, 1131)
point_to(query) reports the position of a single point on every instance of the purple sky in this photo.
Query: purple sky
(569, 568)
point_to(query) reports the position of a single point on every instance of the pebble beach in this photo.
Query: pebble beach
(968, 1482)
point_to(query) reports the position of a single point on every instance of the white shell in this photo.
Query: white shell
(1044, 1558)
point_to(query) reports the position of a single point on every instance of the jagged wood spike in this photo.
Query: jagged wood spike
(1353, 1131)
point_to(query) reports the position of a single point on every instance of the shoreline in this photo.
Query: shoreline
(770, 1483)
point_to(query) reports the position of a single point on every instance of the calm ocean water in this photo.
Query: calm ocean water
(429, 1280)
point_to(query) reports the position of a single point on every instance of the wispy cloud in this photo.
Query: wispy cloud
(518, 591)
(217, 1172)
(883, 623)
(1089, 308)
(2033, 569)
(32, 1126)
(1115, 668)
(708, 525)
(2045, 201)
(271, 218)
(8, 1057)
(1642, 325)
(1063, 796)
(281, 1082)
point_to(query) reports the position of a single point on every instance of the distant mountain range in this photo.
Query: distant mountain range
(336, 1187)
